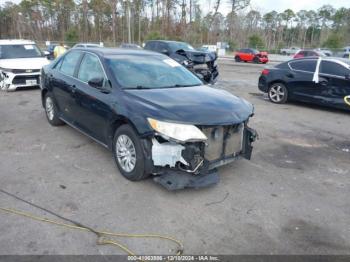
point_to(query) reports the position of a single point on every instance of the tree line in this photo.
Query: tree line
(117, 21)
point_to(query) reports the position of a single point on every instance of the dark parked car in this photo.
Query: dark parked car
(154, 114)
(298, 80)
(130, 46)
(202, 63)
(50, 50)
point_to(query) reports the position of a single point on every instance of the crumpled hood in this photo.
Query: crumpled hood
(200, 56)
(199, 105)
(24, 63)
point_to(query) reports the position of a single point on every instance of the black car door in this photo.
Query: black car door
(92, 111)
(337, 83)
(63, 83)
(300, 81)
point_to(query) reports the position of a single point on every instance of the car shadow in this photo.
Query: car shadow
(319, 107)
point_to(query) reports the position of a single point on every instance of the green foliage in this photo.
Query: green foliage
(71, 36)
(232, 45)
(154, 35)
(333, 41)
(255, 41)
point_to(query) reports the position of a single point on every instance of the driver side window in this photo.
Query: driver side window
(90, 68)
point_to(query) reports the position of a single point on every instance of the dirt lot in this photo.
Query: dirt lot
(292, 198)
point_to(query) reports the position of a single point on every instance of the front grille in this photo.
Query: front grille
(21, 79)
(223, 141)
(22, 71)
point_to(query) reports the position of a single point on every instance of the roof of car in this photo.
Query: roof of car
(16, 42)
(88, 44)
(165, 41)
(117, 51)
(327, 58)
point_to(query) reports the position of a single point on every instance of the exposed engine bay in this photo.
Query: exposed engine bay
(203, 64)
(199, 159)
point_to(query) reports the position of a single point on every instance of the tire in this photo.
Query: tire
(237, 59)
(284, 53)
(278, 93)
(127, 141)
(256, 60)
(51, 111)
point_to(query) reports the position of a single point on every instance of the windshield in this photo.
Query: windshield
(180, 45)
(19, 51)
(135, 71)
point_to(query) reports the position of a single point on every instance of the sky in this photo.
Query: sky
(265, 6)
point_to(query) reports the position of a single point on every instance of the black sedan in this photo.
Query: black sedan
(322, 81)
(155, 115)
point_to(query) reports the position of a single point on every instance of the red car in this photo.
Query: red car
(306, 53)
(251, 55)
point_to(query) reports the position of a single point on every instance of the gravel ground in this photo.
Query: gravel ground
(291, 198)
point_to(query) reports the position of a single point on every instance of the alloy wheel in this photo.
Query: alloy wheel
(277, 93)
(126, 153)
(49, 107)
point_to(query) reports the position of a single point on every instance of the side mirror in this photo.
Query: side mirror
(96, 82)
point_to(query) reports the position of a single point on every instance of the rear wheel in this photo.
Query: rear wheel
(128, 153)
(278, 93)
(237, 59)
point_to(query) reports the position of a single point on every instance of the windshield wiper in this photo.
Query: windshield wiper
(177, 85)
(137, 87)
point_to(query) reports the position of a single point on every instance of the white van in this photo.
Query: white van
(20, 64)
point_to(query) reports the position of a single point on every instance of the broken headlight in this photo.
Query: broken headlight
(6, 70)
(179, 132)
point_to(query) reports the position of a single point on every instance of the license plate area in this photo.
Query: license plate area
(31, 82)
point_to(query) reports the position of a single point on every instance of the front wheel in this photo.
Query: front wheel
(237, 59)
(278, 93)
(51, 111)
(128, 153)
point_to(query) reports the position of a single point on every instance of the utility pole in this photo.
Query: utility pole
(19, 25)
(85, 20)
(129, 23)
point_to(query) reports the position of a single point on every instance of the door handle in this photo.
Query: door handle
(324, 82)
(73, 89)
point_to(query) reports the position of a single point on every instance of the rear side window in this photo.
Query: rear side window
(162, 47)
(331, 68)
(69, 63)
(306, 65)
(282, 66)
(150, 45)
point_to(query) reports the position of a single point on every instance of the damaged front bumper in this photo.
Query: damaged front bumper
(10, 81)
(193, 165)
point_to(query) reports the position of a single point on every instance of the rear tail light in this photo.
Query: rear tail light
(265, 72)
